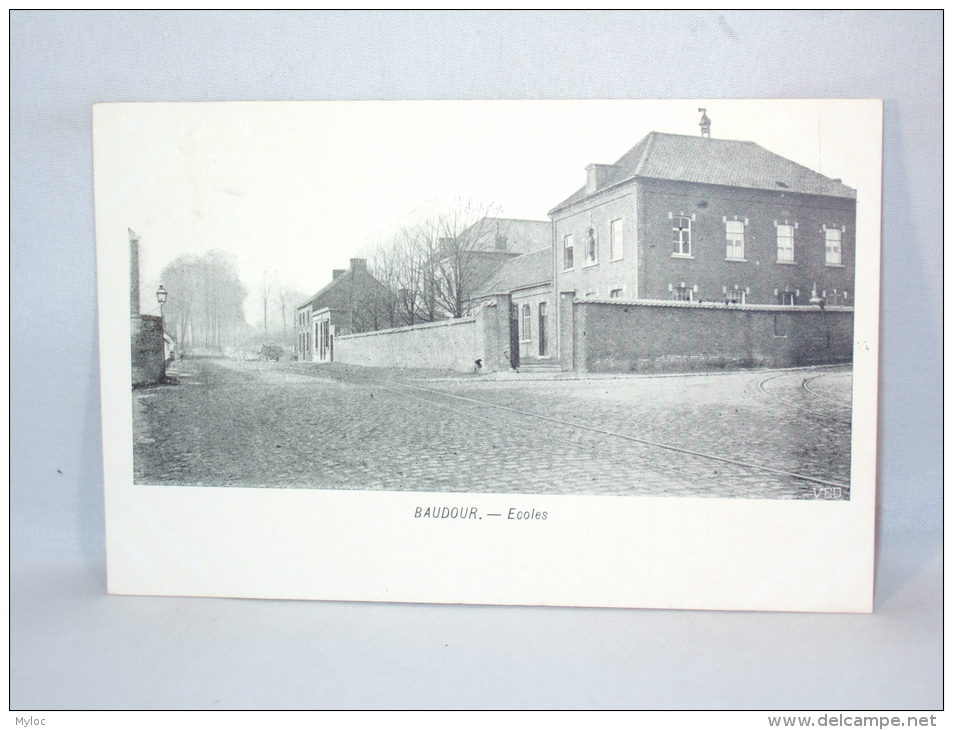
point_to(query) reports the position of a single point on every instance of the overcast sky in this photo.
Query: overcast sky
(296, 189)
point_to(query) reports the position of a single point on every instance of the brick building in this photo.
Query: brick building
(528, 281)
(484, 246)
(703, 219)
(697, 221)
(687, 253)
(353, 301)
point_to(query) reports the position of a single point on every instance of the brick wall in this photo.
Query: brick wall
(453, 344)
(759, 274)
(148, 350)
(676, 336)
(450, 345)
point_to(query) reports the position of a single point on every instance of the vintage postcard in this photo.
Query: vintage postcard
(600, 353)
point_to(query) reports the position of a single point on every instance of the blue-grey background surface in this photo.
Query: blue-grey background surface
(75, 647)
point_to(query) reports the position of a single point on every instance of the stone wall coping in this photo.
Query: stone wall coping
(410, 328)
(671, 304)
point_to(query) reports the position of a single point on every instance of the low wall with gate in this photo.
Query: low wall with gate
(612, 336)
(453, 344)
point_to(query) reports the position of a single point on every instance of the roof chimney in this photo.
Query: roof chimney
(358, 264)
(705, 122)
(597, 176)
(336, 273)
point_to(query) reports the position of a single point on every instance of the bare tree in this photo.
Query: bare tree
(412, 274)
(265, 290)
(204, 308)
(430, 263)
(287, 299)
(384, 268)
(457, 236)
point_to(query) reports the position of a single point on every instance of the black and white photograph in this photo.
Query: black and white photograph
(476, 328)
(592, 298)
(484, 359)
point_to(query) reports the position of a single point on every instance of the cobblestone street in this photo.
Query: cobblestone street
(749, 434)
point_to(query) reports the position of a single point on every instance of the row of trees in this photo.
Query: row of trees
(205, 306)
(279, 301)
(206, 296)
(428, 267)
(431, 263)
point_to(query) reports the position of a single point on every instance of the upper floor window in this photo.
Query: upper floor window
(682, 294)
(615, 240)
(832, 250)
(592, 250)
(785, 242)
(787, 298)
(525, 324)
(681, 236)
(567, 251)
(615, 294)
(735, 235)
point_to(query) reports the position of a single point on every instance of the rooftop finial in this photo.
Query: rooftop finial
(705, 122)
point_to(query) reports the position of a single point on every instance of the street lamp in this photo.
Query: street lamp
(161, 296)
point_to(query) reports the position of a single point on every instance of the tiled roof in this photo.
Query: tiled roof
(715, 161)
(530, 269)
(513, 235)
(363, 283)
(314, 298)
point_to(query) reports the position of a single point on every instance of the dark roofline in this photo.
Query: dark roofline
(649, 141)
(544, 282)
(572, 200)
(327, 287)
(480, 291)
(346, 276)
(569, 202)
(520, 220)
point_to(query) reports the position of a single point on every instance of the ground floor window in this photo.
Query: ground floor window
(787, 298)
(683, 294)
(735, 296)
(615, 294)
(525, 324)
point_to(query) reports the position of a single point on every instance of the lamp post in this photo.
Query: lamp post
(161, 296)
